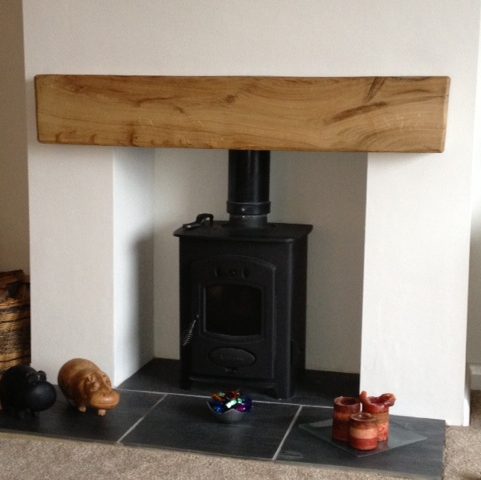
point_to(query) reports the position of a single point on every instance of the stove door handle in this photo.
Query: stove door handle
(201, 220)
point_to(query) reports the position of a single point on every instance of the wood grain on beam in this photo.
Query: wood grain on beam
(367, 114)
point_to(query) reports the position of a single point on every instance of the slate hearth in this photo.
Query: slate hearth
(154, 412)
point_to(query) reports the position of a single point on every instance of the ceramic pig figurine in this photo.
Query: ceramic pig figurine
(85, 385)
(24, 389)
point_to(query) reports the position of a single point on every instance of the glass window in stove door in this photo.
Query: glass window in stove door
(234, 310)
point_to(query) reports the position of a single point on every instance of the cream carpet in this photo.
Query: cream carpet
(28, 457)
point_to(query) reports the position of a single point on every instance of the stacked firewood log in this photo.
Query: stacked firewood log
(14, 319)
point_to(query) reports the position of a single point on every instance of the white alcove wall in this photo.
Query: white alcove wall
(417, 220)
(133, 259)
(474, 304)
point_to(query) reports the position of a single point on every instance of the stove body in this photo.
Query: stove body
(243, 289)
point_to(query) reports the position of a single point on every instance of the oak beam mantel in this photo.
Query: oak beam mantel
(357, 114)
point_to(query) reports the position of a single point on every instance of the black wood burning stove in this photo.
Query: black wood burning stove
(243, 288)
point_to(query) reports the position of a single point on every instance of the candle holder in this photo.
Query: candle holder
(363, 431)
(379, 408)
(344, 407)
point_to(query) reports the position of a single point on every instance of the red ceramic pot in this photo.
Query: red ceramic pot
(363, 431)
(344, 407)
(379, 407)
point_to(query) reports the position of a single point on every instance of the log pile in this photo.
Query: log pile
(14, 319)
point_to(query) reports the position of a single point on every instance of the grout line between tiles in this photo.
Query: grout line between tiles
(293, 404)
(141, 419)
(163, 393)
(284, 438)
(208, 396)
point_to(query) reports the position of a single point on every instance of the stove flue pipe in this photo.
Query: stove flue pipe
(248, 196)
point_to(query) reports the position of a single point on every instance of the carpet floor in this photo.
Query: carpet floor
(29, 457)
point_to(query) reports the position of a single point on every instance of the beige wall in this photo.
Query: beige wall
(14, 252)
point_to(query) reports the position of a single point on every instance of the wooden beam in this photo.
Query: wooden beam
(362, 114)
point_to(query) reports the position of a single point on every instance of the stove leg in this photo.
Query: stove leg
(283, 392)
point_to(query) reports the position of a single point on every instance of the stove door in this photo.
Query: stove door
(234, 312)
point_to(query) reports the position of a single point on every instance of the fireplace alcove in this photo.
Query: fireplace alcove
(356, 114)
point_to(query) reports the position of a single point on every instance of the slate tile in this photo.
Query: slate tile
(424, 459)
(158, 375)
(185, 423)
(62, 420)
